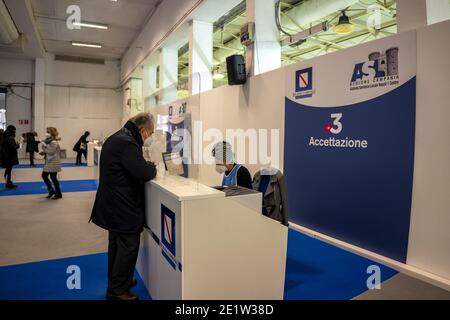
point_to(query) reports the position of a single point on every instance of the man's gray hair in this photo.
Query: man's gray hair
(143, 120)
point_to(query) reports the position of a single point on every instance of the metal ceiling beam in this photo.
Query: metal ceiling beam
(345, 38)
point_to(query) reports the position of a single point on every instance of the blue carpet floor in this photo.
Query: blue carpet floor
(315, 270)
(64, 165)
(47, 280)
(25, 188)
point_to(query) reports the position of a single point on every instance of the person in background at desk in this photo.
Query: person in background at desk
(81, 148)
(120, 201)
(234, 174)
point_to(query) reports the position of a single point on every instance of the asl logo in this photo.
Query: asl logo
(336, 126)
(380, 70)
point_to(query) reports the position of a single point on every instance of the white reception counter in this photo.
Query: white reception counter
(203, 245)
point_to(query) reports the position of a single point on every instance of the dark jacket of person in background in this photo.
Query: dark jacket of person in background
(81, 143)
(119, 203)
(9, 148)
(1, 147)
(32, 144)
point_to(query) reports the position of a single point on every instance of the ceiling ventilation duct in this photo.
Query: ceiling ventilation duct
(8, 30)
(304, 13)
(79, 59)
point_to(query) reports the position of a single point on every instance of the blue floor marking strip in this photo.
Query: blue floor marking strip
(47, 280)
(315, 270)
(40, 166)
(39, 187)
(318, 270)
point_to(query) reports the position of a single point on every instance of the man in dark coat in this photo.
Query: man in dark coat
(9, 154)
(119, 202)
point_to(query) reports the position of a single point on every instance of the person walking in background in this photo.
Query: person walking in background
(32, 146)
(81, 147)
(9, 154)
(51, 152)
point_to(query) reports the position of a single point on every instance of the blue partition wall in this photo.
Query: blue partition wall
(358, 195)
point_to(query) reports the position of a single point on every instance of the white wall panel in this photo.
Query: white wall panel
(74, 73)
(82, 97)
(429, 239)
(16, 70)
(95, 103)
(75, 110)
(56, 101)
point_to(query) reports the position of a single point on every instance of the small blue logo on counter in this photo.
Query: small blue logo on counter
(168, 238)
(304, 83)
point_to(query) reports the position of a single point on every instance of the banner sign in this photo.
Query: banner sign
(349, 143)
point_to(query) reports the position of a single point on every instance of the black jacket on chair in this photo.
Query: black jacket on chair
(275, 197)
(119, 203)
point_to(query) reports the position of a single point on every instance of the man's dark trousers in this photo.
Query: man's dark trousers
(123, 249)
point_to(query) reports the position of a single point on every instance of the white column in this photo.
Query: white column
(126, 114)
(411, 14)
(438, 11)
(168, 75)
(39, 97)
(265, 54)
(136, 96)
(149, 86)
(200, 56)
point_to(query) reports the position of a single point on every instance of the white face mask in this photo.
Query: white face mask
(148, 141)
(146, 137)
(220, 168)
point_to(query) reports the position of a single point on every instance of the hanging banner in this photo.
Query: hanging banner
(349, 143)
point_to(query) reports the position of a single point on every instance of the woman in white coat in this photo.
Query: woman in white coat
(51, 151)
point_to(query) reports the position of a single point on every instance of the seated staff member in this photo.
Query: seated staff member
(234, 174)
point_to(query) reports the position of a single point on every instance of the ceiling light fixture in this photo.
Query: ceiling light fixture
(344, 25)
(89, 45)
(91, 25)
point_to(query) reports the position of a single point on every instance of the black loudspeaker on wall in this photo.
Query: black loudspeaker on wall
(236, 70)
